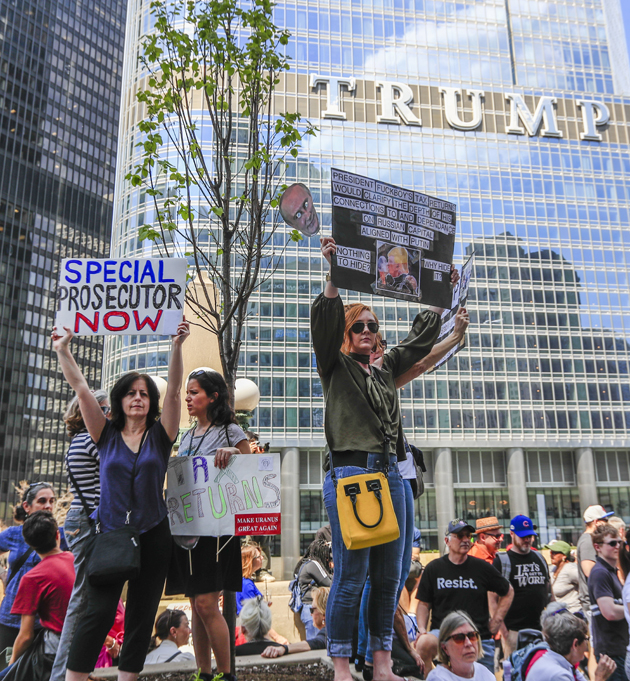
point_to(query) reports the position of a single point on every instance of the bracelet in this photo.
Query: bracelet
(112, 645)
(328, 276)
(286, 648)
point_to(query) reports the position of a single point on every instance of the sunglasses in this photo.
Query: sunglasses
(472, 636)
(614, 543)
(579, 614)
(106, 410)
(313, 610)
(358, 327)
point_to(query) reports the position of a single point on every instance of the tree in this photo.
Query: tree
(213, 151)
(212, 155)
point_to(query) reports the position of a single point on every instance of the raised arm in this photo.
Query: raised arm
(329, 247)
(93, 416)
(171, 410)
(439, 350)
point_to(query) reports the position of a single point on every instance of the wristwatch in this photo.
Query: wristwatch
(328, 276)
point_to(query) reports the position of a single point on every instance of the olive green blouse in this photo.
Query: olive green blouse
(362, 411)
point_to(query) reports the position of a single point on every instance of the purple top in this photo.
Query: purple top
(147, 502)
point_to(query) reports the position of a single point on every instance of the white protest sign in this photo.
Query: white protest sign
(99, 297)
(241, 499)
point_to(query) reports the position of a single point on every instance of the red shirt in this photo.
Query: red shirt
(45, 591)
(478, 550)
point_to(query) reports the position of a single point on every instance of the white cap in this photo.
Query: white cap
(596, 513)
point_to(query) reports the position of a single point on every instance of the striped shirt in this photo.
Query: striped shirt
(82, 460)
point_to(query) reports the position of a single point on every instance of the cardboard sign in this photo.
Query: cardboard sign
(391, 241)
(99, 297)
(460, 295)
(241, 499)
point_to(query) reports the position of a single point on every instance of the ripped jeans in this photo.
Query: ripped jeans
(351, 568)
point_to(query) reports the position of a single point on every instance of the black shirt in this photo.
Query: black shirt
(611, 637)
(447, 587)
(529, 578)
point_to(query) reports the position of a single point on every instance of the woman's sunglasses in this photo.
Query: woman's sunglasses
(106, 410)
(358, 327)
(472, 636)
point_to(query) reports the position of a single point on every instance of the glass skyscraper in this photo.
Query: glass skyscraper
(517, 112)
(60, 74)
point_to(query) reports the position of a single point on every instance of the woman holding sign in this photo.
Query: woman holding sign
(134, 448)
(363, 431)
(214, 564)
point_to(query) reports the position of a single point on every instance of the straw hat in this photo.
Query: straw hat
(485, 524)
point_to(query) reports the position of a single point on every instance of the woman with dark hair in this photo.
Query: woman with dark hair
(134, 449)
(173, 630)
(82, 466)
(217, 434)
(364, 434)
(38, 496)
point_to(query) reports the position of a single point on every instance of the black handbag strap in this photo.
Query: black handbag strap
(133, 477)
(172, 657)
(73, 480)
(15, 568)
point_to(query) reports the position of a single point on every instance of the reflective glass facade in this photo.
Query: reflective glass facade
(60, 70)
(542, 191)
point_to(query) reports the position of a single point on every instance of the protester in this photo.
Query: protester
(38, 496)
(255, 620)
(624, 564)
(457, 582)
(459, 649)
(586, 556)
(43, 594)
(317, 642)
(82, 464)
(313, 572)
(564, 579)
(488, 538)
(217, 434)
(173, 630)
(363, 433)
(528, 574)
(251, 560)
(567, 636)
(134, 449)
(609, 626)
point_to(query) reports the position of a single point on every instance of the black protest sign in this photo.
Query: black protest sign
(391, 241)
(460, 295)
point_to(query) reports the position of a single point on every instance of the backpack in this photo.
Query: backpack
(295, 600)
(521, 659)
(506, 568)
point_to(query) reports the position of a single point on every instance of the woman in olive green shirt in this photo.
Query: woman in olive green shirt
(363, 431)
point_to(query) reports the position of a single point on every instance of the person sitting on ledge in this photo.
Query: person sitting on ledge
(255, 619)
(318, 611)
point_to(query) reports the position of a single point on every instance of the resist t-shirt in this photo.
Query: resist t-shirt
(529, 578)
(45, 591)
(447, 587)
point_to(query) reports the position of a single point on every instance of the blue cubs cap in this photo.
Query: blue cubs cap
(457, 525)
(522, 526)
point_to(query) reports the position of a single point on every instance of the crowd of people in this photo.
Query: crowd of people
(474, 612)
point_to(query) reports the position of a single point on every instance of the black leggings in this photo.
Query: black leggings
(143, 599)
(7, 639)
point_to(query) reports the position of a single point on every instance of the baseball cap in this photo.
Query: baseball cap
(457, 525)
(596, 512)
(522, 526)
(558, 546)
(485, 524)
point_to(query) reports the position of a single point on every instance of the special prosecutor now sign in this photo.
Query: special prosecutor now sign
(241, 499)
(121, 297)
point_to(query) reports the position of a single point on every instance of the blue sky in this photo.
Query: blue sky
(625, 8)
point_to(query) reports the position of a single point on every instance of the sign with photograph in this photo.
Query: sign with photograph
(242, 498)
(391, 241)
(99, 297)
(460, 295)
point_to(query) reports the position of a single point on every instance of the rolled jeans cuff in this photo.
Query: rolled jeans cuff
(339, 648)
(381, 642)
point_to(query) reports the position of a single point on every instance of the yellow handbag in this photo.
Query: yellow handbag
(366, 512)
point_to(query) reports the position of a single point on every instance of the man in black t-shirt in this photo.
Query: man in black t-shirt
(610, 630)
(529, 576)
(460, 582)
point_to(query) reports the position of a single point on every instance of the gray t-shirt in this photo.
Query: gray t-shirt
(585, 551)
(214, 438)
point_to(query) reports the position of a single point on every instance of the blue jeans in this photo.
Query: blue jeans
(620, 673)
(307, 621)
(351, 568)
(77, 530)
(488, 654)
(364, 648)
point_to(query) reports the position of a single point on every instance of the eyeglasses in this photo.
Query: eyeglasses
(472, 636)
(105, 410)
(494, 536)
(614, 543)
(358, 327)
(313, 611)
(461, 536)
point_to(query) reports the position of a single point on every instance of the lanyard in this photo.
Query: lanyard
(192, 439)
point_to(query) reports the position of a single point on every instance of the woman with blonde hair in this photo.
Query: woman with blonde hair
(459, 649)
(363, 427)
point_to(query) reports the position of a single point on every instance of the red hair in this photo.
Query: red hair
(353, 312)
